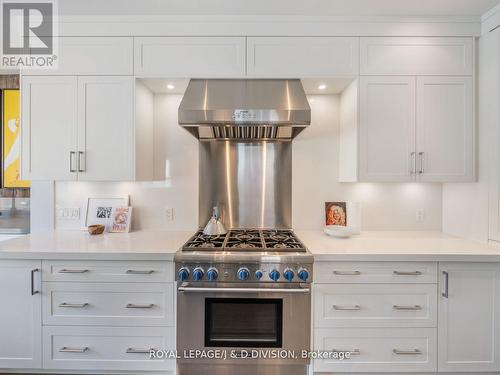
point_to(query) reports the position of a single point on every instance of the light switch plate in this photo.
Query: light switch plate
(68, 213)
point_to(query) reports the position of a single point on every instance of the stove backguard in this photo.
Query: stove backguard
(249, 181)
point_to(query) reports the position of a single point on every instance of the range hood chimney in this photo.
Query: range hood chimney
(244, 109)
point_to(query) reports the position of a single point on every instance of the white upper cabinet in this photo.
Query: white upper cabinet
(20, 315)
(416, 56)
(445, 129)
(78, 128)
(105, 128)
(92, 56)
(469, 312)
(387, 129)
(49, 117)
(190, 57)
(301, 57)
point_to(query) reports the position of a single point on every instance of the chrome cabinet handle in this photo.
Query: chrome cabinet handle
(407, 273)
(407, 307)
(446, 284)
(139, 351)
(407, 352)
(64, 270)
(348, 308)
(351, 352)
(139, 272)
(421, 158)
(413, 162)
(347, 273)
(71, 161)
(75, 305)
(134, 306)
(80, 168)
(67, 349)
(32, 282)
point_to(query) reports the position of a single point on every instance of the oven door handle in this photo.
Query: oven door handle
(188, 289)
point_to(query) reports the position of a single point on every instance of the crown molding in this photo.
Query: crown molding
(490, 20)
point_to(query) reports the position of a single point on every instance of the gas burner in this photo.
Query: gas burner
(208, 244)
(244, 237)
(243, 245)
(279, 237)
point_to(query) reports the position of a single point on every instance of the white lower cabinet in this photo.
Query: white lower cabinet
(469, 317)
(106, 348)
(377, 350)
(20, 314)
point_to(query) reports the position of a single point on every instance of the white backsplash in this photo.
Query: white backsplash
(315, 170)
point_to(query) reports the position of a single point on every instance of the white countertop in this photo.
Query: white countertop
(161, 245)
(397, 246)
(139, 245)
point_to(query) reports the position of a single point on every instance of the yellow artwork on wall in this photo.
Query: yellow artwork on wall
(12, 140)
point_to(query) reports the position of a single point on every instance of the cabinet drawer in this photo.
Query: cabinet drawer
(185, 57)
(375, 272)
(375, 305)
(108, 271)
(108, 304)
(302, 56)
(377, 350)
(92, 56)
(106, 348)
(416, 56)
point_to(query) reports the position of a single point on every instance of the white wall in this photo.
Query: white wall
(315, 170)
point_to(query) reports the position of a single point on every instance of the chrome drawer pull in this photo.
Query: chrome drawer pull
(407, 352)
(134, 306)
(407, 307)
(66, 349)
(77, 305)
(407, 273)
(64, 270)
(351, 352)
(139, 351)
(139, 272)
(350, 308)
(347, 273)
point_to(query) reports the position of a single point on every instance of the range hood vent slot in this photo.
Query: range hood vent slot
(246, 133)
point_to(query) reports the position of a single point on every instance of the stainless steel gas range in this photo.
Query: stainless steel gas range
(245, 294)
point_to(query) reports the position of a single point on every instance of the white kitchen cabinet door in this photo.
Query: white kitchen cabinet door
(416, 56)
(301, 57)
(469, 316)
(49, 118)
(91, 56)
(105, 128)
(20, 314)
(445, 129)
(387, 129)
(190, 57)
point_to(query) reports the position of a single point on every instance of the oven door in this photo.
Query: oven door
(258, 319)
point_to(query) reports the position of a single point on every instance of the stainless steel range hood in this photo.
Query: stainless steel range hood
(244, 109)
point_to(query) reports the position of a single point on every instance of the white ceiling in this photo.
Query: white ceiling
(278, 7)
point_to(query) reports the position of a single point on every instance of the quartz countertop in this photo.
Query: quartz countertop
(138, 245)
(162, 245)
(397, 246)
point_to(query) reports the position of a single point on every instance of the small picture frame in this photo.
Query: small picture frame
(120, 220)
(100, 209)
(336, 213)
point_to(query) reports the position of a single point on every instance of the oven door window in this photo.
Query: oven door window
(243, 322)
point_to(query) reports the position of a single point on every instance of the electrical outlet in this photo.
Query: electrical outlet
(420, 215)
(169, 213)
(68, 213)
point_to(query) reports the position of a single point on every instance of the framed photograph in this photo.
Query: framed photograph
(336, 213)
(99, 210)
(120, 220)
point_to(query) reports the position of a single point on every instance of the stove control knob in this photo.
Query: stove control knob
(198, 274)
(288, 274)
(212, 274)
(243, 273)
(183, 274)
(274, 275)
(258, 274)
(303, 274)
